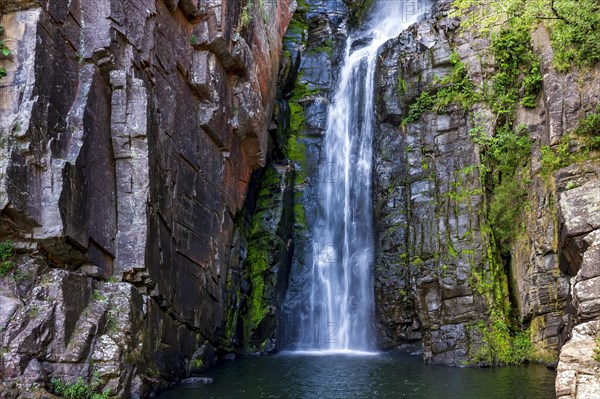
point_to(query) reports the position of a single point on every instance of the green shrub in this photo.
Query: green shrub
(589, 129)
(517, 78)
(555, 158)
(572, 24)
(423, 103)
(500, 346)
(4, 51)
(596, 355)
(246, 15)
(80, 389)
(575, 35)
(504, 156)
(532, 83)
(7, 250)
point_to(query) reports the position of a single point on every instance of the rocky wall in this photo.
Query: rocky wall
(433, 239)
(567, 98)
(428, 200)
(130, 131)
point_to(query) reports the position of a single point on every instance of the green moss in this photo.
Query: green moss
(230, 325)
(588, 129)
(302, 6)
(555, 158)
(417, 261)
(504, 158)
(401, 85)
(4, 51)
(596, 356)
(297, 118)
(258, 262)
(298, 26)
(325, 47)
(300, 216)
(264, 246)
(296, 152)
(502, 342)
(451, 251)
(245, 15)
(585, 134)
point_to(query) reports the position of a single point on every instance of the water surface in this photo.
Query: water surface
(368, 376)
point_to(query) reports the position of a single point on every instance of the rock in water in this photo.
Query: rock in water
(197, 381)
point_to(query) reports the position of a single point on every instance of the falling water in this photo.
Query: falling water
(341, 298)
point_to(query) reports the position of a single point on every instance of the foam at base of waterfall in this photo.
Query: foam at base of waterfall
(329, 352)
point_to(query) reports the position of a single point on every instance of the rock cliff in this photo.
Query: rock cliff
(129, 136)
(445, 274)
(447, 281)
(158, 169)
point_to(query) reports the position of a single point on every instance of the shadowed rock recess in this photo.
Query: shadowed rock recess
(158, 174)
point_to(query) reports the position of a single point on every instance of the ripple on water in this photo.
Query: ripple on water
(383, 375)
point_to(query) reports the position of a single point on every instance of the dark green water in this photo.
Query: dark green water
(380, 376)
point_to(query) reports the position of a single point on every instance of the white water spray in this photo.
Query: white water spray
(341, 296)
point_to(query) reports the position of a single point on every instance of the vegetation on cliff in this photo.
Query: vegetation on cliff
(7, 250)
(572, 24)
(456, 88)
(514, 80)
(80, 389)
(358, 11)
(505, 156)
(4, 51)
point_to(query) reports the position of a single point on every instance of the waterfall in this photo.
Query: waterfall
(341, 305)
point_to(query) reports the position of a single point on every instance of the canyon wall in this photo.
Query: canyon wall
(428, 203)
(445, 286)
(129, 136)
(158, 169)
(442, 279)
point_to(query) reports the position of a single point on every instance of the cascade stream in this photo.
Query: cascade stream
(341, 293)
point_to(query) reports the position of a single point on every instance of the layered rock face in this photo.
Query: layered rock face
(435, 268)
(428, 201)
(130, 131)
(563, 230)
(579, 195)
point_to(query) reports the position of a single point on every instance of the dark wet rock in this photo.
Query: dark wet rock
(428, 240)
